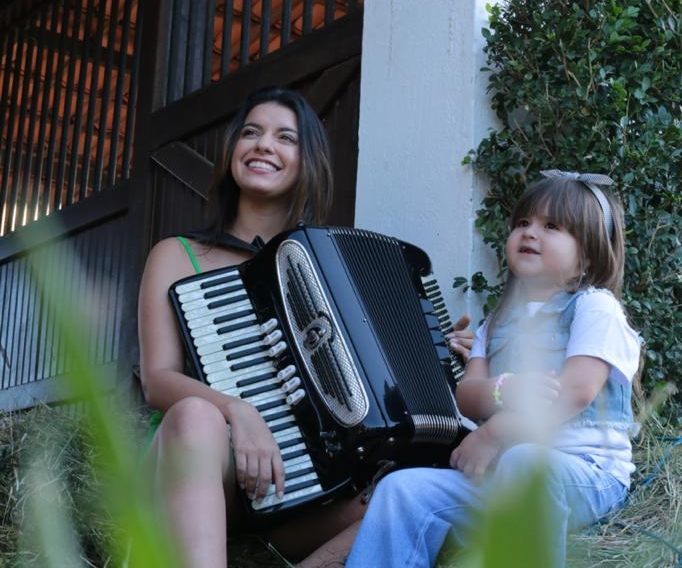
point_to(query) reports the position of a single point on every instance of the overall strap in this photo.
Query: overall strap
(190, 253)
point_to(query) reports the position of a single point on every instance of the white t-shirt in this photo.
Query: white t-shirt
(599, 329)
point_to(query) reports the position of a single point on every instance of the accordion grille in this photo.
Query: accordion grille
(316, 335)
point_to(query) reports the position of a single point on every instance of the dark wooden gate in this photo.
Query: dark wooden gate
(112, 112)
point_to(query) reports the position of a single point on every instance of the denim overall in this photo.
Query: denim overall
(522, 343)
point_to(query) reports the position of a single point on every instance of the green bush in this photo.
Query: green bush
(594, 86)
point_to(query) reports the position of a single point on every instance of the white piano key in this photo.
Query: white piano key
(299, 462)
(214, 330)
(267, 415)
(271, 500)
(291, 433)
(201, 309)
(231, 288)
(221, 339)
(223, 376)
(197, 284)
(232, 298)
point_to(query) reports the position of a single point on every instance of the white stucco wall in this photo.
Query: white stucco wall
(423, 106)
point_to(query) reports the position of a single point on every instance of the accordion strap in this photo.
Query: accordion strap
(226, 240)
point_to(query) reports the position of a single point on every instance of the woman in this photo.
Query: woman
(274, 172)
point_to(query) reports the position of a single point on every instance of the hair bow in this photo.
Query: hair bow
(591, 181)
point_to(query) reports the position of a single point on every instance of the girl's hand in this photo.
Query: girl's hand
(529, 391)
(460, 338)
(257, 457)
(477, 453)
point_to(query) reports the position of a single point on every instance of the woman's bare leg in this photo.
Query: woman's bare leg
(190, 458)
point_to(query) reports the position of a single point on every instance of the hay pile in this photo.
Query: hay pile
(647, 533)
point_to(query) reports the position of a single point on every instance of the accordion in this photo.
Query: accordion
(336, 336)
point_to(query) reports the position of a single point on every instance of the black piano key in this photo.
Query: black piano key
(259, 390)
(234, 327)
(218, 281)
(232, 316)
(222, 291)
(300, 472)
(250, 363)
(300, 485)
(245, 353)
(269, 405)
(226, 301)
(241, 342)
(286, 456)
(288, 443)
(277, 415)
(283, 426)
(255, 379)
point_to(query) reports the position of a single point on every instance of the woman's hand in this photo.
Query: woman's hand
(258, 460)
(460, 338)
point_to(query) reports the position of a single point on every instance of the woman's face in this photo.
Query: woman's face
(266, 159)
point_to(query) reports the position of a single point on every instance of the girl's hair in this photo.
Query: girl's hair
(311, 195)
(572, 205)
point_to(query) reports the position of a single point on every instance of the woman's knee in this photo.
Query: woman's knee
(194, 421)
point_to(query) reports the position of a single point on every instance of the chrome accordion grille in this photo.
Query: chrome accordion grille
(321, 347)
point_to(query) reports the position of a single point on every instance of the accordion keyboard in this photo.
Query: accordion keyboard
(240, 357)
(434, 294)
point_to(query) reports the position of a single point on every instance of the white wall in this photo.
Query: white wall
(423, 106)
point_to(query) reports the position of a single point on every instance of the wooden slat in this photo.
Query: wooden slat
(287, 66)
(96, 209)
(187, 166)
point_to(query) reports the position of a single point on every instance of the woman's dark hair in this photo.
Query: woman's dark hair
(311, 195)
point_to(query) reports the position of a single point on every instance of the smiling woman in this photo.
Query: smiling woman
(204, 444)
(266, 158)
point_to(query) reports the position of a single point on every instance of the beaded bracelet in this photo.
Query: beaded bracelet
(497, 389)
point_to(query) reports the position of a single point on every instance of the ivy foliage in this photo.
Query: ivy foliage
(594, 86)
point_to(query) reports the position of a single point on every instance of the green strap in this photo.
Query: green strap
(190, 253)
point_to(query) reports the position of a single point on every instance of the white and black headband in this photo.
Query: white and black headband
(591, 181)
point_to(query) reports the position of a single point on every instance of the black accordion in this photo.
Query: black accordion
(336, 335)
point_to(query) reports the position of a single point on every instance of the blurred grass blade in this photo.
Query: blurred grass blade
(126, 494)
(48, 531)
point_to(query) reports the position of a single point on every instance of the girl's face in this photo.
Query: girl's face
(266, 159)
(542, 255)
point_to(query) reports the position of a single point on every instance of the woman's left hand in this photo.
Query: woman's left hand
(460, 338)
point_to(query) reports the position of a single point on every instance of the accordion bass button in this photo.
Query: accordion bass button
(277, 349)
(269, 326)
(286, 373)
(295, 397)
(291, 385)
(272, 338)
